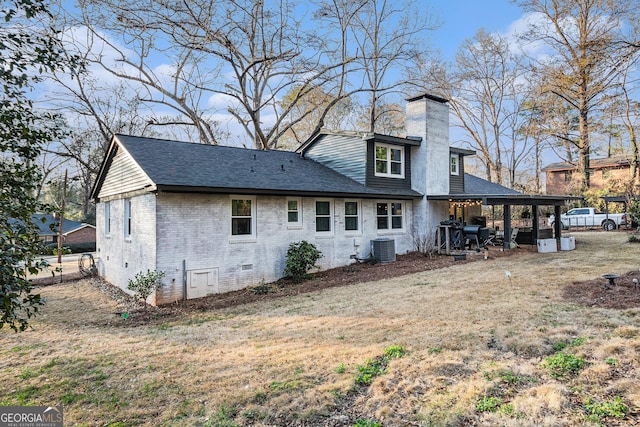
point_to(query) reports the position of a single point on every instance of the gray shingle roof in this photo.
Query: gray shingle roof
(48, 225)
(607, 162)
(478, 186)
(183, 166)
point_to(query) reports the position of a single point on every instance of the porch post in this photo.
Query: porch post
(557, 226)
(534, 225)
(506, 213)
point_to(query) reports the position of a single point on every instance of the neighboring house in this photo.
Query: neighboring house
(563, 177)
(73, 232)
(216, 219)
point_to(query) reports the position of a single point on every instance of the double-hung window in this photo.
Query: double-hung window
(243, 216)
(389, 161)
(127, 218)
(323, 216)
(351, 216)
(107, 218)
(294, 213)
(455, 164)
(389, 216)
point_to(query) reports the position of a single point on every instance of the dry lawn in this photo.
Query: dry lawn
(477, 349)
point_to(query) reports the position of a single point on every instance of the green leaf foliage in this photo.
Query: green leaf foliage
(143, 284)
(301, 257)
(29, 47)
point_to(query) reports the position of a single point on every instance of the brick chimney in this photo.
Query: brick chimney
(428, 118)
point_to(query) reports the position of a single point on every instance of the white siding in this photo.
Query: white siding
(123, 176)
(342, 153)
(195, 230)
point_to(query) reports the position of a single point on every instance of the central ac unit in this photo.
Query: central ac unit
(384, 250)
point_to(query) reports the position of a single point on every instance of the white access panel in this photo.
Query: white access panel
(202, 282)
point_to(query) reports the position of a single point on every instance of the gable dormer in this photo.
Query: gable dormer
(456, 168)
(375, 160)
(389, 161)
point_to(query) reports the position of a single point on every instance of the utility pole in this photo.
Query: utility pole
(61, 227)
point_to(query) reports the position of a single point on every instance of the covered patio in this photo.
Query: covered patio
(479, 192)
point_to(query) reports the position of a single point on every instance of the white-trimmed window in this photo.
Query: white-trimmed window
(455, 164)
(294, 212)
(389, 216)
(127, 218)
(107, 218)
(243, 216)
(323, 216)
(389, 161)
(351, 216)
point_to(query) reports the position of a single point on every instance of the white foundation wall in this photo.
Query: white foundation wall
(120, 258)
(194, 239)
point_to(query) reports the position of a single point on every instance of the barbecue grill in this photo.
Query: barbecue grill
(475, 233)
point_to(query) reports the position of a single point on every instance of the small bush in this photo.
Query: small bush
(394, 352)
(378, 366)
(609, 408)
(143, 284)
(634, 238)
(488, 404)
(301, 257)
(371, 369)
(563, 364)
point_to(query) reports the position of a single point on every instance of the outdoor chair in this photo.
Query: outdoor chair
(512, 240)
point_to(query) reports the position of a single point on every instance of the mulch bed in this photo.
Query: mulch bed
(597, 292)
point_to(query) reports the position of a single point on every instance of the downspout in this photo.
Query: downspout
(184, 280)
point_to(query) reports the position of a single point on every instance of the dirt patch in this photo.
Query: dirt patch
(597, 292)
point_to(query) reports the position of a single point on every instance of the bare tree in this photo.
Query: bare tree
(246, 53)
(389, 37)
(588, 49)
(630, 119)
(482, 89)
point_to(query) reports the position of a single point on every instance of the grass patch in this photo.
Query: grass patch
(127, 374)
(378, 366)
(367, 423)
(223, 418)
(283, 385)
(561, 345)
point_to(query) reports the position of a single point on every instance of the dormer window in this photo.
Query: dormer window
(389, 161)
(455, 164)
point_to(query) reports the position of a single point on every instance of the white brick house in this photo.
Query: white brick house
(217, 219)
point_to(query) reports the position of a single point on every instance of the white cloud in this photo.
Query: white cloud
(518, 28)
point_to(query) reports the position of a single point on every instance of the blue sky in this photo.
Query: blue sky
(462, 18)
